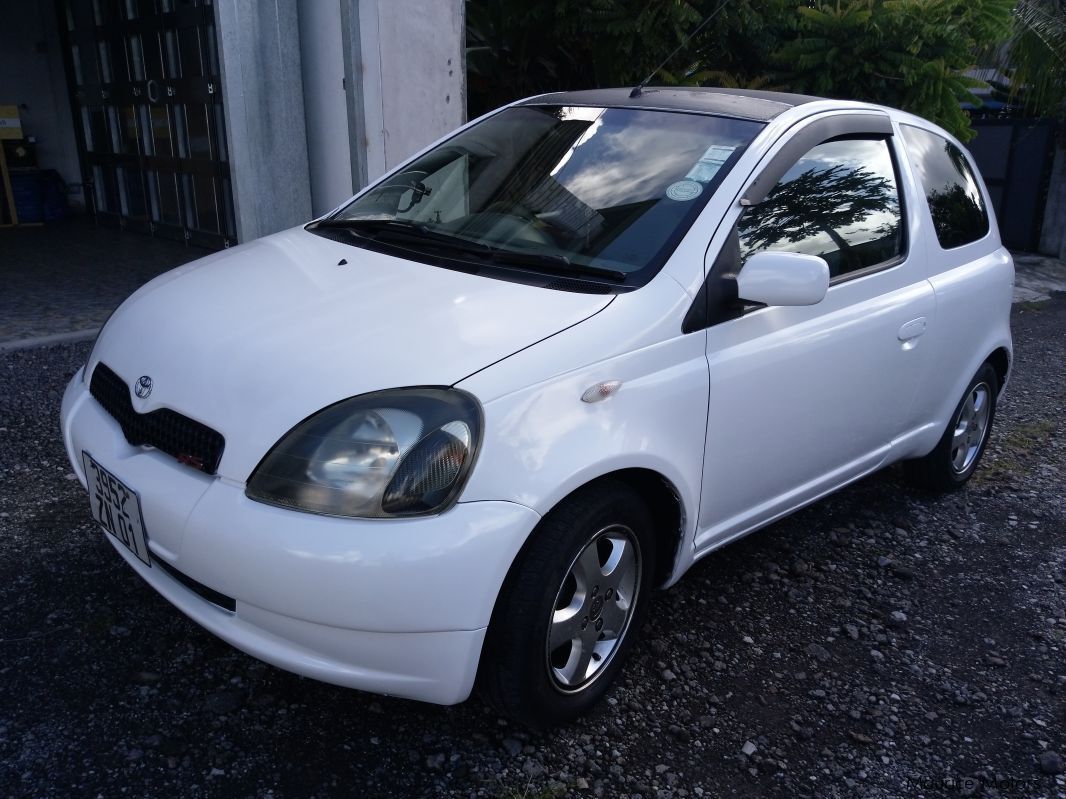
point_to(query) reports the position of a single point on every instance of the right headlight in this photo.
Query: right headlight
(403, 452)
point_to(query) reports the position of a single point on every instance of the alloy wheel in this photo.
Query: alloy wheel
(971, 427)
(593, 608)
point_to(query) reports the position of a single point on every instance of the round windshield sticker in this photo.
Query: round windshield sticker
(684, 190)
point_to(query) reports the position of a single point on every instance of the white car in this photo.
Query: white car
(460, 429)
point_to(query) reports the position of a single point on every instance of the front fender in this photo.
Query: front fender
(542, 442)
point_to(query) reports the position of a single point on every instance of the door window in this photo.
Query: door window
(840, 201)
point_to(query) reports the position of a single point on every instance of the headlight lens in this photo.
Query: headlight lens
(405, 452)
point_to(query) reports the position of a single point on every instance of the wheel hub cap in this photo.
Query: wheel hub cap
(593, 608)
(970, 428)
(597, 606)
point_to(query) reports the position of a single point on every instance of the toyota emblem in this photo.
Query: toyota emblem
(143, 388)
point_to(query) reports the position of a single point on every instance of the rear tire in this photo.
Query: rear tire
(953, 461)
(570, 608)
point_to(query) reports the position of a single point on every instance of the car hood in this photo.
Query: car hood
(252, 340)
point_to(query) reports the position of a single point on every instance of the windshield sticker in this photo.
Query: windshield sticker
(710, 162)
(684, 190)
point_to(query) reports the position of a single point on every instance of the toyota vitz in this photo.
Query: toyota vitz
(458, 430)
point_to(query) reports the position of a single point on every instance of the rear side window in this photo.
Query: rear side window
(840, 201)
(959, 214)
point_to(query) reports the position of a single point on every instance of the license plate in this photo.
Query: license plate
(116, 507)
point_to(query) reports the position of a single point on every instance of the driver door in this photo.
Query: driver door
(804, 399)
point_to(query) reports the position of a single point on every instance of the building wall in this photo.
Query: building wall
(412, 76)
(32, 77)
(325, 104)
(259, 51)
(298, 146)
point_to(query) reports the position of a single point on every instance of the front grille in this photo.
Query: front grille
(192, 443)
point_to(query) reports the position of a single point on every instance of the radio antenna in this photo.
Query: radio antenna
(640, 87)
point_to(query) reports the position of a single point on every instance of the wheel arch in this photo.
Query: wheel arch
(667, 513)
(1001, 362)
(667, 510)
(498, 668)
(998, 356)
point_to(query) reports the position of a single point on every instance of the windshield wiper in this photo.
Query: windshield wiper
(557, 264)
(416, 232)
(410, 232)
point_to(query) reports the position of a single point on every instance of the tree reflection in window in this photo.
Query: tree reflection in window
(839, 201)
(955, 203)
(956, 216)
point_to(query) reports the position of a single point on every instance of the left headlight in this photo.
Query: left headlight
(404, 452)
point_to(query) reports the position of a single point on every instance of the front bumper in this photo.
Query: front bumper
(391, 606)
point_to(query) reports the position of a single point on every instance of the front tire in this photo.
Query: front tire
(953, 461)
(571, 607)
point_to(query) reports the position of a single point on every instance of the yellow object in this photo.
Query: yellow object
(10, 124)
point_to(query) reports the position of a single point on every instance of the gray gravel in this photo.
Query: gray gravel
(878, 644)
(69, 276)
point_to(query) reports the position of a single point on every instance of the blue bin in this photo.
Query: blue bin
(40, 195)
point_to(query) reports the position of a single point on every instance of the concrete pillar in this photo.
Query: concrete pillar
(323, 96)
(404, 64)
(326, 102)
(259, 50)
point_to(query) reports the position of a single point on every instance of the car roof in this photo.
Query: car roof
(744, 103)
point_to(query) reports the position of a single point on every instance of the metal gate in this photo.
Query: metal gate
(147, 103)
(1015, 157)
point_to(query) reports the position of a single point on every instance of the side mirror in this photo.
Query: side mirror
(783, 278)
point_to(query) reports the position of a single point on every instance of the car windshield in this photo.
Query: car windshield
(596, 191)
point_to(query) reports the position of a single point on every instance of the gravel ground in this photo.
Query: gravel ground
(877, 644)
(70, 275)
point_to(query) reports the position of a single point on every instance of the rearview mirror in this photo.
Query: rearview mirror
(783, 278)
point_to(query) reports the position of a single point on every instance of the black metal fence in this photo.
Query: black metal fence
(1015, 158)
(147, 102)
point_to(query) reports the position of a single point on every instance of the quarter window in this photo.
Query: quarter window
(955, 202)
(840, 201)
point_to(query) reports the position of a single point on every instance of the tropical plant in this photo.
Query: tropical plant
(621, 41)
(906, 53)
(510, 52)
(911, 54)
(1035, 57)
(520, 47)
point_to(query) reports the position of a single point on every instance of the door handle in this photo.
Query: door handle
(912, 329)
